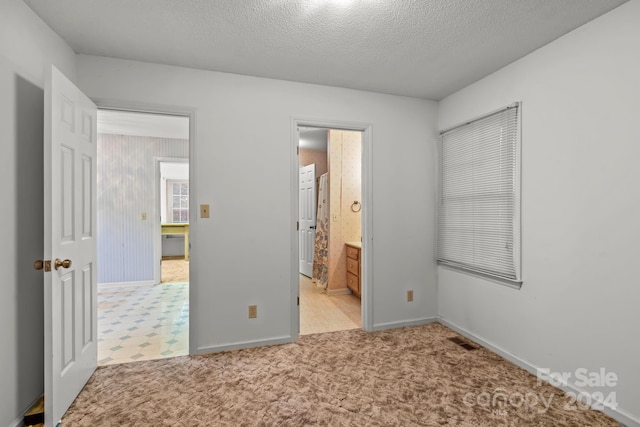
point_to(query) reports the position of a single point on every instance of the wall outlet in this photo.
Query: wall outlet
(253, 311)
(204, 211)
(409, 296)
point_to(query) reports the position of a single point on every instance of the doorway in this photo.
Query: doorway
(143, 235)
(172, 185)
(330, 228)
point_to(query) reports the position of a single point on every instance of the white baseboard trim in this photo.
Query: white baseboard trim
(623, 417)
(341, 291)
(19, 422)
(244, 344)
(404, 323)
(122, 284)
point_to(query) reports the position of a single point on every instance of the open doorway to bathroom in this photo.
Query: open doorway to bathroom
(330, 229)
(143, 235)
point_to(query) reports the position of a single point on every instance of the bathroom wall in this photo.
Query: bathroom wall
(319, 157)
(345, 163)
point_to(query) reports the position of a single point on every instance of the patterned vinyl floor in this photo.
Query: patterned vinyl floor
(320, 312)
(152, 322)
(143, 322)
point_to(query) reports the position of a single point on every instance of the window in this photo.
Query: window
(479, 200)
(178, 201)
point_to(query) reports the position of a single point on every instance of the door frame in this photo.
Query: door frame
(157, 223)
(367, 223)
(191, 113)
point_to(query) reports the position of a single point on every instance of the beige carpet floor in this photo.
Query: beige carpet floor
(405, 377)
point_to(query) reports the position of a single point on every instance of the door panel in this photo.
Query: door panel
(87, 211)
(307, 217)
(70, 217)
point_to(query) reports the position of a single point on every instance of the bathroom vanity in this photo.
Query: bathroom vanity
(354, 276)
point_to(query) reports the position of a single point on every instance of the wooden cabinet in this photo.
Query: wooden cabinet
(353, 269)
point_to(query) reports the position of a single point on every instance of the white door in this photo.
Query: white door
(70, 299)
(307, 215)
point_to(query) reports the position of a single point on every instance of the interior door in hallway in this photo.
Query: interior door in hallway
(70, 297)
(307, 217)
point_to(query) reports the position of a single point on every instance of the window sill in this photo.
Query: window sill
(511, 283)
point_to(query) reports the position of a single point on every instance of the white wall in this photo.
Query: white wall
(578, 307)
(27, 49)
(242, 166)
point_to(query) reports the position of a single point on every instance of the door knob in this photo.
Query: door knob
(42, 264)
(64, 264)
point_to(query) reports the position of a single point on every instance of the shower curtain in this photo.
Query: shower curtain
(321, 248)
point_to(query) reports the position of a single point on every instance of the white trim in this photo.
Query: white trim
(618, 414)
(243, 344)
(367, 222)
(294, 274)
(120, 284)
(19, 422)
(113, 104)
(404, 323)
(517, 238)
(515, 284)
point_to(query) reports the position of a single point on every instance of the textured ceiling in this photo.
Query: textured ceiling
(421, 48)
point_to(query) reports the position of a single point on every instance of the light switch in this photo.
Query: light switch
(204, 211)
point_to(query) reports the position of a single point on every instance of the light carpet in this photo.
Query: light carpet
(405, 377)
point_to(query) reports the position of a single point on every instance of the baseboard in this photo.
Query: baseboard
(341, 291)
(121, 284)
(619, 415)
(244, 344)
(19, 422)
(404, 323)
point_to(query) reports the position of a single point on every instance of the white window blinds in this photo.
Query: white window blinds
(478, 215)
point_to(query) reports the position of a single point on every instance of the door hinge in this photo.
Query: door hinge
(298, 150)
(298, 300)
(297, 225)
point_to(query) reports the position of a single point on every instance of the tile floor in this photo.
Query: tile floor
(152, 322)
(143, 322)
(320, 312)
